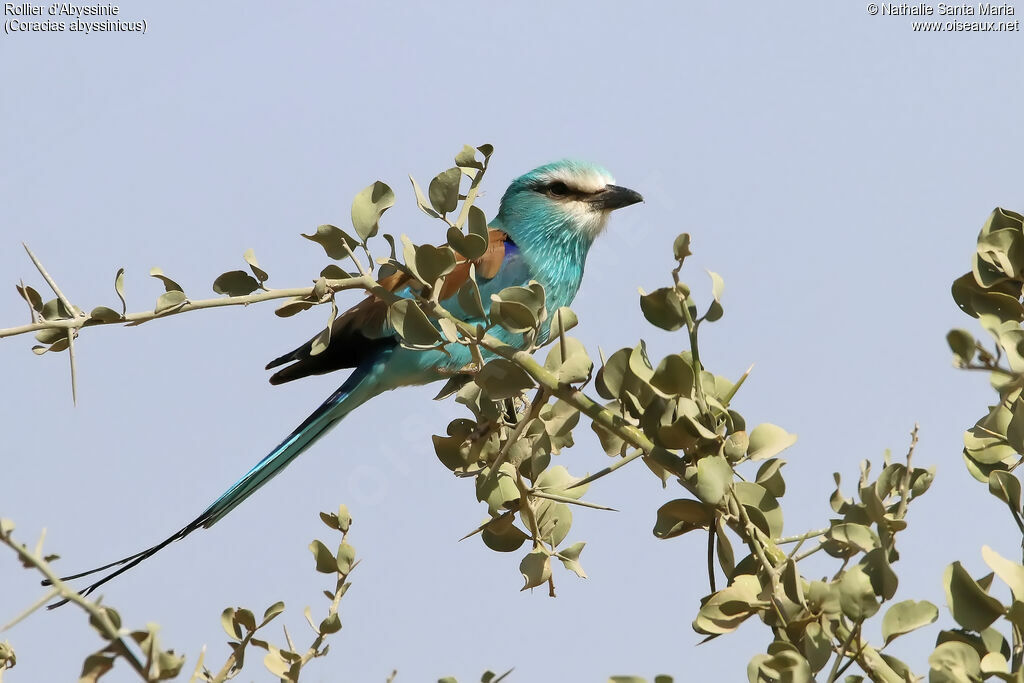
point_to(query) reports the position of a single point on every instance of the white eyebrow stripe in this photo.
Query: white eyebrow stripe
(583, 180)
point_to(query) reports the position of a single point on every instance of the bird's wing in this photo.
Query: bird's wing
(362, 331)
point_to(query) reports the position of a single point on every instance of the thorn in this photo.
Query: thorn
(74, 371)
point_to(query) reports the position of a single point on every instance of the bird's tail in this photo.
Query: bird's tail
(330, 412)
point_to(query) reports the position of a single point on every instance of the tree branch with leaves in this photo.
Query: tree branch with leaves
(674, 415)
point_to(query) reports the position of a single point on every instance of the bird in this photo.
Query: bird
(547, 221)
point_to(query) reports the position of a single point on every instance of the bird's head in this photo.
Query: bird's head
(565, 196)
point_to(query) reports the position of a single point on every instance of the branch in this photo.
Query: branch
(99, 616)
(49, 280)
(360, 282)
(71, 332)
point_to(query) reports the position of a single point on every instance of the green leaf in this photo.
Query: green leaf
(344, 519)
(112, 615)
(31, 296)
(450, 388)
(1001, 219)
(907, 616)
(272, 612)
(852, 539)
(679, 516)
(119, 288)
(575, 367)
(611, 443)
(570, 559)
(54, 309)
(639, 363)
(856, 596)
(663, 308)
(768, 440)
(169, 284)
(769, 474)
(499, 490)
(254, 266)
(715, 310)
(995, 664)
(513, 316)
(444, 190)
(816, 645)
(323, 340)
(562, 321)
(735, 449)
(282, 663)
(954, 662)
(367, 208)
(553, 521)
(326, 563)
(502, 535)
(469, 246)
(50, 335)
(412, 323)
(717, 285)
(94, 667)
(477, 223)
(962, 343)
(228, 623)
(235, 283)
(535, 568)
(59, 345)
(330, 624)
(104, 314)
(971, 606)
(421, 201)
(503, 379)
(762, 507)
(169, 300)
(433, 262)
(334, 240)
(469, 300)
(786, 666)
(1002, 249)
(246, 619)
(1006, 487)
(466, 158)
(292, 306)
(681, 247)
(612, 377)
(673, 376)
(345, 557)
(1011, 573)
(884, 580)
(333, 271)
(726, 609)
(560, 419)
(714, 478)
(449, 330)
(518, 309)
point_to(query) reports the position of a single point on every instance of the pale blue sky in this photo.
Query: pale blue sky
(832, 166)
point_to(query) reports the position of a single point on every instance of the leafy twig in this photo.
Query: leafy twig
(99, 615)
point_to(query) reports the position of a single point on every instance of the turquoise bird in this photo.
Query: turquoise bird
(545, 226)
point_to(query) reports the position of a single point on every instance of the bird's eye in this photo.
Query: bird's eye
(558, 189)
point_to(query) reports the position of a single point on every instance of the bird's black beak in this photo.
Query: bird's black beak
(614, 197)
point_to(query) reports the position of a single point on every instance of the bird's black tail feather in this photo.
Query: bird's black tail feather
(126, 563)
(322, 419)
